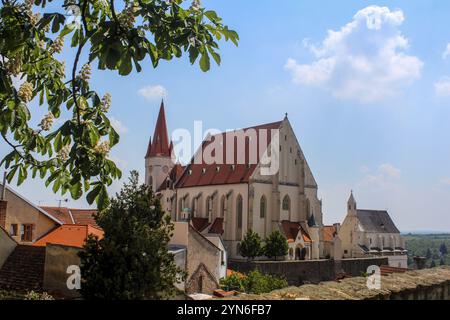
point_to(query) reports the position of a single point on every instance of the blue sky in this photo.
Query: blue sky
(370, 103)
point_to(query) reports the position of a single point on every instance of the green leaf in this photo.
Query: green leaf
(113, 137)
(92, 195)
(76, 190)
(103, 199)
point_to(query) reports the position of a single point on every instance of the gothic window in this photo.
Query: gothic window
(286, 203)
(262, 207)
(150, 181)
(308, 208)
(223, 207)
(194, 207)
(209, 208)
(239, 211)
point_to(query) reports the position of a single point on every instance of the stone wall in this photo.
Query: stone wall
(427, 284)
(7, 245)
(314, 271)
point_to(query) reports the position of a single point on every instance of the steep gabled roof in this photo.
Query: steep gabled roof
(328, 233)
(291, 230)
(377, 221)
(72, 216)
(160, 146)
(201, 174)
(45, 213)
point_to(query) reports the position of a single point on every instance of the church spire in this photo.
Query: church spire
(160, 144)
(351, 205)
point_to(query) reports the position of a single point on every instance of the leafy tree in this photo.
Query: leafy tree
(251, 247)
(433, 264)
(132, 260)
(74, 156)
(276, 245)
(442, 263)
(443, 249)
(429, 254)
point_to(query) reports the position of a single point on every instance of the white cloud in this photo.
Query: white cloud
(365, 60)
(118, 126)
(446, 53)
(442, 87)
(153, 92)
(386, 176)
(445, 181)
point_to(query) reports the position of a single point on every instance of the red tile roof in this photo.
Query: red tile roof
(199, 174)
(174, 175)
(217, 226)
(160, 145)
(291, 230)
(84, 216)
(72, 235)
(72, 216)
(200, 224)
(60, 213)
(329, 233)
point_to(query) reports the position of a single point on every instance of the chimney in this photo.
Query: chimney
(3, 203)
(337, 226)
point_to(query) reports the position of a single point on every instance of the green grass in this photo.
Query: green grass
(418, 244)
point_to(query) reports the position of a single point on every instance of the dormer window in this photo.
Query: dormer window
(217, 169)
(190, 172)
(203, 170)
(232, 167)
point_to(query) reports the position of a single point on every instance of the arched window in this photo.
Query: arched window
(286, 203)
(308, 208)
(262, 207)
(150, 182)
(208, 208)
(239, 211)
(194, 207)
(223, 207)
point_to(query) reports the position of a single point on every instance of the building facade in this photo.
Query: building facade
(234, 193)
(366, 233)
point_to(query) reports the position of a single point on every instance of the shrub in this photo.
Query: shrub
(32, 295)
(276, 245)
(253, 282)
(251, 245)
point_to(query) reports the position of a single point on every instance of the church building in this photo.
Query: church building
(237, 192)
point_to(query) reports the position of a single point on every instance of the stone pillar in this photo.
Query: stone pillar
(315, 238)
(302, 216)
(3, 206)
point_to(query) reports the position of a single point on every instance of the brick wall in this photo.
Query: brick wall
(3, 205)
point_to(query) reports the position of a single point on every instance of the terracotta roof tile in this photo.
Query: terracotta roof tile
(291, 230)
(217, 226)
(200, 174)
(199, 224)
(60, 213)
(72, 235)
(329, 233)
(160, 145)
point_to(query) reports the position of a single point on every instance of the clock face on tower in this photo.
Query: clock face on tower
(165, 169)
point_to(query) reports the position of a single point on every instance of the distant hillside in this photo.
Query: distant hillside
(428, 245)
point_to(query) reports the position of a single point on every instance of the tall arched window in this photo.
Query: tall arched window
(223, 207)
(239, 211)
(286, 203)
(262, 207)
(308, 208)
(194, 207)
(208, 208)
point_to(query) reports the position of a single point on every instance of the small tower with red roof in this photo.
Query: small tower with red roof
(158, 160)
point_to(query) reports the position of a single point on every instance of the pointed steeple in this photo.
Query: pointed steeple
(160, 144)
(351, 205)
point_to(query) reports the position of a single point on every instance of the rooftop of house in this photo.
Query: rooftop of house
(72, 215)
(72, 235)
(376, 221)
